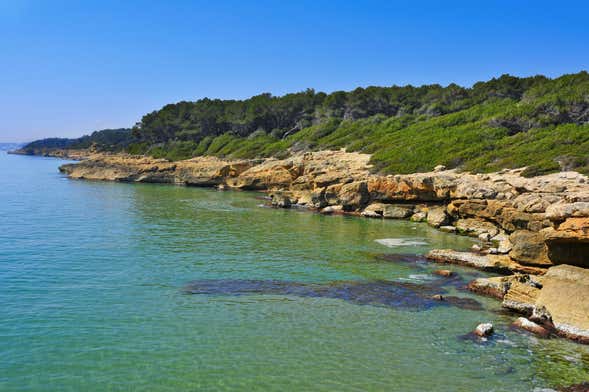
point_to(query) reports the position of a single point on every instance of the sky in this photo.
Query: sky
(68, 68)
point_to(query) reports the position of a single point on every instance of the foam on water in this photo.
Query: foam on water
(397, 242)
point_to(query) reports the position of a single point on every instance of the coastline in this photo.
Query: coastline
(534, 230)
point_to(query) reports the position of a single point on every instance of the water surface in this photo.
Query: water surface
(95, 285)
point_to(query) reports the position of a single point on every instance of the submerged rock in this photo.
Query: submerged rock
(404, 295)
(448, 229)
(486, 262)
(443, 272)
(484, 330)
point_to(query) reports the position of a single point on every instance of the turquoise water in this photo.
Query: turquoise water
(92, 294)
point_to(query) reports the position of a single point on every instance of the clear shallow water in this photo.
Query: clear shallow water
(92, 279)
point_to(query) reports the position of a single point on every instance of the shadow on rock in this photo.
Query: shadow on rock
(410, 296)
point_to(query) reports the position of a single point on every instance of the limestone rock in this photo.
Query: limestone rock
(569, 244)
(354, 196)
(503, 243)
(475, 227)
(528, 248)
(530, 326)
(495, 287)
(398, 211)
(521, 297)
(493, 263)
(499, 286)
(280, 200)
(375, 208)
(561, 211)
(419, 216)
(371, 214)
(332, 210)
(436, 216)
(564, 296)
(474, 260)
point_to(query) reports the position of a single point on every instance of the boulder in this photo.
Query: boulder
(564, 297)
(495, 287)
(528, 248)
(398, 211)
(354, 196)
(420, 216)
(484, 330)
(375, 208)
(502, 243)
(436, 216)
(371, 214)
(475, 227)
(331, 210)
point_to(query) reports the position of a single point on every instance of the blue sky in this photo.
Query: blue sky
(70, 67)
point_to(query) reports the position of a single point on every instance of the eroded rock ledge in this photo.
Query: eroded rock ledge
(526, 225)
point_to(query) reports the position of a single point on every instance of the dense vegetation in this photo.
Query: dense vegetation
(537, 122)
(105, 140)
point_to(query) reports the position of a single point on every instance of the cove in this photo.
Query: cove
(94, 278)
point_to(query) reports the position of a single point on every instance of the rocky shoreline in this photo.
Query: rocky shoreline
(533, 230)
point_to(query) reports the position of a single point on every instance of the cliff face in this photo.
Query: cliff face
(526, 225)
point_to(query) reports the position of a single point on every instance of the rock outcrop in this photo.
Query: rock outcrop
(529, 226)
(556, 301)
(563, 299)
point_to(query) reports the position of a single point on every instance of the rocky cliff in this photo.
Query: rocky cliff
(525, 225)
